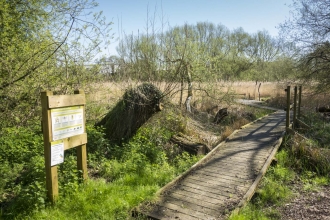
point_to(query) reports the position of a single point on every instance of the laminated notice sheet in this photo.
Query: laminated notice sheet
(67, 122)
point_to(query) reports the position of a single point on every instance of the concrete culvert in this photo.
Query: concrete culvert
(131, 112)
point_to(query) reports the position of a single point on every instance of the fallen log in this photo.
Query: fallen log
(131, 112)
(190, 146)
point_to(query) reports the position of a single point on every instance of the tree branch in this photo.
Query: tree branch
(30, 71)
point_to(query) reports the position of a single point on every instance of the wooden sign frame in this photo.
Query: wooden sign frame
(49, 102)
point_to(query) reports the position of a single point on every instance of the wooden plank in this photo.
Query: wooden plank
(287, 121)
(161, 212)
(75, 141)
(186, 210)
(229, 152)
(299, 102)
(295, 107)
(236, 173)
(201, 203)
(243, 153)
(233, 166)
(240, 159)
(302, 124)
(197, 197)
(81, 149)
(58, 101)
(51, 172)
(243, 160)
(216, 176)
(182, 202)
(219, 182)
(202, 191)
(218, 193)
(214, 191)
(238, 164)
(247, 170)
(262, 172)
(224, 187)
(248, 146)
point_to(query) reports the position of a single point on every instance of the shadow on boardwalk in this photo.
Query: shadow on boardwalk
(221, 181)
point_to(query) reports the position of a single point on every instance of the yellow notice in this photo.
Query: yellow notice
(57, 152)
(67, 122)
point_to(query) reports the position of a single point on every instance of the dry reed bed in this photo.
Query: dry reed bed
(207, 95)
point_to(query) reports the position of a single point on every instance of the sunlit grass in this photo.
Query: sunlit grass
(98, 199)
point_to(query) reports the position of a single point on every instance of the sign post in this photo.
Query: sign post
(63, 123)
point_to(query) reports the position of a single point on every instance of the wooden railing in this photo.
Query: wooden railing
(296, 107)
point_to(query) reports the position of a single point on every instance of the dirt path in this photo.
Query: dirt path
(308, 206)
(254, 103)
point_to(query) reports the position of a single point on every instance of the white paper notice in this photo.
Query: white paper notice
(67, 122)
(57, 152)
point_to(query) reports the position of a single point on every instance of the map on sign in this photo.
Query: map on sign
(57, 153)
(67, 122)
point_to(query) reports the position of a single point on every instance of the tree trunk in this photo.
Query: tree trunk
(181, 92)
(190, 94)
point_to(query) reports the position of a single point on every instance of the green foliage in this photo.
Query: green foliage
(185, 161)
(126, 175)
(19, 144)
(22, 169)
(312, 181)
(40, 50)
(320, 130)
(272, 192)
(213, 51)
(97, 144)
(249, 212)
(30, 192)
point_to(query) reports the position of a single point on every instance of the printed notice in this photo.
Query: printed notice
(57, 153)
(67, 122)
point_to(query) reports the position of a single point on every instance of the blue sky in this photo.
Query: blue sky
(130, 16)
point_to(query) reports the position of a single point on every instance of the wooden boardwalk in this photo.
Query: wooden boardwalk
(225, 178)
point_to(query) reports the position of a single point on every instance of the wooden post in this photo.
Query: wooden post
(299, 102)
(295, 108)
(51, 172)
(60, 108)
(81, 150)
(255, 90)
(259, 91)
(287, 124)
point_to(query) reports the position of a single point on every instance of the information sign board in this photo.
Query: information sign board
(67, 122)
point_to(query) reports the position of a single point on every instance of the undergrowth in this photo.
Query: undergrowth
(121, 177)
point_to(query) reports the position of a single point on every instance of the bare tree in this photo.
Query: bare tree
(309, 28)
